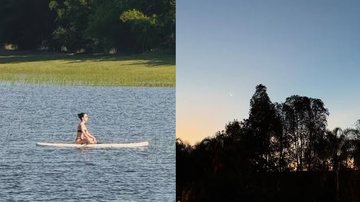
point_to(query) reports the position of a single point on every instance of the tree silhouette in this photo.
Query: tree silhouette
(304, 121)
(355, 140)
(252, 159)
(266, 126)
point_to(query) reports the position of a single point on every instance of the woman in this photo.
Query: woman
(83, 135)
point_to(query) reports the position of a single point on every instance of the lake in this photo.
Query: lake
(46, 113)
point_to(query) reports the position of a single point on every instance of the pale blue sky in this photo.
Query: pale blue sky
(226, 48)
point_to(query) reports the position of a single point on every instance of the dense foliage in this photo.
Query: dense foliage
(276, 138)
(88, 25)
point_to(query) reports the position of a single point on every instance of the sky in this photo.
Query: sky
(301, 47)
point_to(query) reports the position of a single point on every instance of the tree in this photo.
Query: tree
(266, 127)
(283, 140)
(316, 125)
(71, 22)
(90, 25)
(104, 30)
(143, 27)
(183, 161)
(164, 10)
(304, 121)
(355, 141)
(339, 147)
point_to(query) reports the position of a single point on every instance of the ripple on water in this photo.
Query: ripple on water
(34, 113)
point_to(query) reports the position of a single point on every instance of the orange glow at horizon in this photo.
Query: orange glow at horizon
(194, 133)
(202, 113)
(193, 125)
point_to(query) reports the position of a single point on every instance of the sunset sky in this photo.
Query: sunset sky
(226, 48)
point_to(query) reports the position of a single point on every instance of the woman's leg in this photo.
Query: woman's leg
(91, 141)
(82, 141)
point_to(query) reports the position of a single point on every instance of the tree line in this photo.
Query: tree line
(88, 25)
(275, 138)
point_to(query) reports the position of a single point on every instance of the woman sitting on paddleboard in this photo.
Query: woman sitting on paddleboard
(83, 135)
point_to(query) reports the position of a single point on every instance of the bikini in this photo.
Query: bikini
(79, 138)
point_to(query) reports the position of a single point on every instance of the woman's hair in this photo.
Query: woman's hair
(81, 115)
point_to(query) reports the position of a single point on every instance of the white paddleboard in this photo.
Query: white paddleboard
(122, 145)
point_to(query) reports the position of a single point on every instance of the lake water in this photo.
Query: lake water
(45, 113)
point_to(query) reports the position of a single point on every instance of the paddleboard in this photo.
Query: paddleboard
(121, 145)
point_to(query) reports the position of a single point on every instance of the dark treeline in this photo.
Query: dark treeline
(88, 25)
(251, 159)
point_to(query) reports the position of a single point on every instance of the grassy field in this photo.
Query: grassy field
(151, 70)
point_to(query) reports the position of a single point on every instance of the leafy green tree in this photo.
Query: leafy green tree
(104, 30)
(143, 27)
(165, 13)
(90, 25)
(71, 23)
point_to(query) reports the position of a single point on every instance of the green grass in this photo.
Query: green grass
(151, 70)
